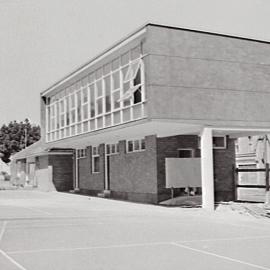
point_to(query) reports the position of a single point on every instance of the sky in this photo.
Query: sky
(41, 41)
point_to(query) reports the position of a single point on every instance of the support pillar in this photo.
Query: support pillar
(207, 169)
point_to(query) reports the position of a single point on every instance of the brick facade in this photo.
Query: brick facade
(167, 147)
(89, 182)
(133, 175)
(140, 176)
(224, 159)
(62, 171)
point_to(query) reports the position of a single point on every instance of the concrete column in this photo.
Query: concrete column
(207, 169)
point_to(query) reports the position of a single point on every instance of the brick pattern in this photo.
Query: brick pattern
(167, 147)
(133, 175)
(140, 176)
(223, 162)
(224, 159)
(87, 179)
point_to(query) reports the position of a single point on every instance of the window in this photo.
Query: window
(135, 145)
(110, 95)
(185, 153)
(219, 142)
(81, 153)
(132, 84)
(95, 160)
(72, 109)
(112, 149)
(85, 103)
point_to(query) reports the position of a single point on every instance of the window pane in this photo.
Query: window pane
(73, 130)
(85, 111)
(96, 164)
(57, 115)
(100, 122)
(116, 97)
(62, 120)
(130, 146)
(49, 118)
(126, 115)
(107, 82)
(116, 118)
(137, 79)
(108, 120)
(72, 97)
(85, 95)
(99, 88)
(92, 97)
(79, 128)
(116, 80)
(73, 116)
(85, 126)
(137, 96)
(143, 144)
(79, 104)
(113, 148)
(137, 145)
(67, 111)
(100, 106)
(124, 71)
(62, 106)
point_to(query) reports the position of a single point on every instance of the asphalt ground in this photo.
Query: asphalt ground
(59, 231)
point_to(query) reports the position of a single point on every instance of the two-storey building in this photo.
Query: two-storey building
(157, 112)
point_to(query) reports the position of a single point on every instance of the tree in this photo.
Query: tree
(16, 136)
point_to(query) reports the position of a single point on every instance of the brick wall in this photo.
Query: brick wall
(62, 171)
(223, 162)
(167, 147)
(91, 183)
(224, 159)
(133, 175)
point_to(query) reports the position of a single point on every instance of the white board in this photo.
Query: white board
(183, 172)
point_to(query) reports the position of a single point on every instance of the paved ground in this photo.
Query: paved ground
(47, 231)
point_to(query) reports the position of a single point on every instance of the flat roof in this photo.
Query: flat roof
(134, 34)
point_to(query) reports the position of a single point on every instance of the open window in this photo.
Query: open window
(134, 82)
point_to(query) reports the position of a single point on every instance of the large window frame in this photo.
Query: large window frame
(95, 160)
(103, 98)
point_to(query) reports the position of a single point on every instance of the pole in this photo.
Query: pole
(207, 169)
(267, 184)
(25, 137)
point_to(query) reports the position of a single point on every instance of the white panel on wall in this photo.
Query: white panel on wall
(183, 172)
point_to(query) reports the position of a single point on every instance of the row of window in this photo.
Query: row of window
(99, 100)
(111, 149)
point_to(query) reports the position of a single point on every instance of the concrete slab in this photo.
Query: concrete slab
(62, 231)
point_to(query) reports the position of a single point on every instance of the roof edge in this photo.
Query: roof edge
(209, 32)
(128, 36)
(95, 58)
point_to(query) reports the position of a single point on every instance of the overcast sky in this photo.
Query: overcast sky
(43, 40)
